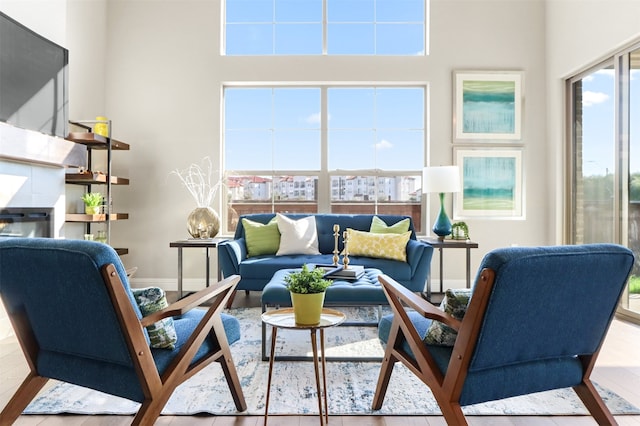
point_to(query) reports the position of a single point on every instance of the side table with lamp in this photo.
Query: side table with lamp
(441, 180)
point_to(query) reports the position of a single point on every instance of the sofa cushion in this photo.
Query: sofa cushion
(260, 238)
(385, 246)
(379, 226)
(297, 236)
(455, 303)
(153, 299)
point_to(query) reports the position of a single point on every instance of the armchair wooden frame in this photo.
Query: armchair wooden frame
(157, 388)
(447, 388)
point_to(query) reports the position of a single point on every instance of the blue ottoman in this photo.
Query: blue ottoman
(365, 291)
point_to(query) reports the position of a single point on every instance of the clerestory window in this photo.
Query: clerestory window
(325, 27)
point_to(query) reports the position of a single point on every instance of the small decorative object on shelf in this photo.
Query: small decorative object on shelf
(92, 202)
(101, 237)
(459, 231)
(204, 221)
(101, 127)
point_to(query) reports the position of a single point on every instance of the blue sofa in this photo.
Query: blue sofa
(255, 272)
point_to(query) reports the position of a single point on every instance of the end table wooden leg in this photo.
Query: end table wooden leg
(274, 333)
(324, 376)
(314, 346)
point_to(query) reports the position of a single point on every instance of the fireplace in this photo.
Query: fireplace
(27, 222)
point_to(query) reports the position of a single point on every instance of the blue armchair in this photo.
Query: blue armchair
(536, 320)
(76, 319)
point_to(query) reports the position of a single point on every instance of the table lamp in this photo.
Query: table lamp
(441, 180)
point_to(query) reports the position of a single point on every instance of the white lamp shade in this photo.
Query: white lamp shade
(441, 179)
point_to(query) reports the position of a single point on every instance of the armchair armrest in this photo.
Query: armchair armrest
(192, 301)
(420, 305)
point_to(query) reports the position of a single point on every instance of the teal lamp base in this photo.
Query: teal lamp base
(442, 225)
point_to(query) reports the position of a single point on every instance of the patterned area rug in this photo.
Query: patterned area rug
(350, 385)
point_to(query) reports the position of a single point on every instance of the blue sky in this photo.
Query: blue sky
(360, 27)
(367, 128)
(598, 122)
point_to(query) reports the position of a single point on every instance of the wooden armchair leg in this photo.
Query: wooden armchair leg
(594, 403)
(230, 373)
(452, 413)
(28, 390)
(148, 413)
(383, 382)
(230, 301)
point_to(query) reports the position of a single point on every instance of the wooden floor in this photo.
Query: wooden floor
(618, 369)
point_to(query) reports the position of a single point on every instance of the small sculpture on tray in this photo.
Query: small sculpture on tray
(336, 235)
(459, 231)
(345, 258)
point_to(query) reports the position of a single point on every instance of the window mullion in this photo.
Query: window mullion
(324, 181)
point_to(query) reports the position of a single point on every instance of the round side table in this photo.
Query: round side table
(283, 318)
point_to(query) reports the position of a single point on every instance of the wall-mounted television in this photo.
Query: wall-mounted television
(33, 80)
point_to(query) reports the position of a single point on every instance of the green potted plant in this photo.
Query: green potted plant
(92, 202)
(307, 288)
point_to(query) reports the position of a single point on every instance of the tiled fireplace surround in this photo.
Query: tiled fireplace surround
(32, 174)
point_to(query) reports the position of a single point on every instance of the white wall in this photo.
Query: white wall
(579, 34)
(164, 78)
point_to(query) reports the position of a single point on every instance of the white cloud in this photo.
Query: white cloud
(313, 118)
(593, 98)
(610, 72)
(384, 144)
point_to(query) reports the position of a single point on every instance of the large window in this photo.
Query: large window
(334, 27)
(324, 149)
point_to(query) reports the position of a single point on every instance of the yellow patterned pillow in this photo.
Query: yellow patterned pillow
(385, 246)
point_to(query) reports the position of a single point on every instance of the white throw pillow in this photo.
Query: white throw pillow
(297, 236)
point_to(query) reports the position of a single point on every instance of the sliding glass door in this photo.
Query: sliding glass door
(605, 160)
(631, 300)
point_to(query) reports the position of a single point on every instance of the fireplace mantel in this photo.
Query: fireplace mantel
(34, 147)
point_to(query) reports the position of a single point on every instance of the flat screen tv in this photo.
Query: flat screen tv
(33, 80)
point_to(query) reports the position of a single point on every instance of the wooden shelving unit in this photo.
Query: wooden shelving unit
(94, 218)
(94, 141)
(94, 178)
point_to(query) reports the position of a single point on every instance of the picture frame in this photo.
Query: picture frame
(488, 106)
(492, 182)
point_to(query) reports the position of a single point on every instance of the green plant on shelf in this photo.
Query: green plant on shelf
(92, 202)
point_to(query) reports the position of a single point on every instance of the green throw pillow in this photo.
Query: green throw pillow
(260, 238)
(455, 303)
(379, 226)
(162, 334)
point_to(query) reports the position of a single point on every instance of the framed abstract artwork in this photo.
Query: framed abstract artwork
(492, 183)
(488, 105)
